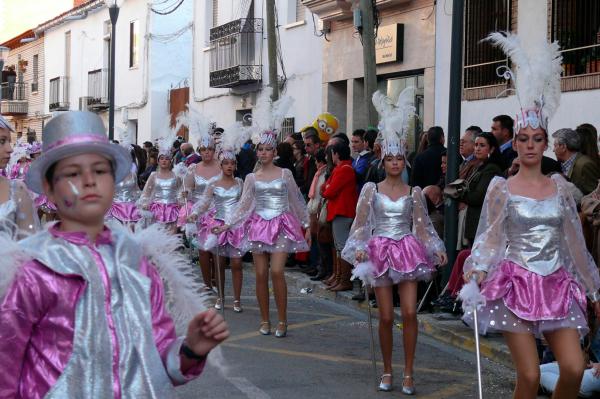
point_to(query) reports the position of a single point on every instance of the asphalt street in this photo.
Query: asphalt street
(326, 355)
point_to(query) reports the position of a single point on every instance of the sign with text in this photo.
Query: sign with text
(389, 44)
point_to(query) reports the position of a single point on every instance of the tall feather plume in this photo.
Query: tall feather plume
(268, 115)
(538, 70)
(168, 135)
(198, 125)
(234, 137)
(394, 119)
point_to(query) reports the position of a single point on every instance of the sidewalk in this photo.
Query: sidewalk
(441, 326)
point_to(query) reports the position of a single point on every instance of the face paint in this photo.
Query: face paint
(75, 192)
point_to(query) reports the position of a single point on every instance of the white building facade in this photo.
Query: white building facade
(152, 56)
(230, 59)
(576, 25)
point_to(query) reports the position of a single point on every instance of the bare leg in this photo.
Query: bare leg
(206, 268)
(565, 346)
(407, 291)
(386, 323)
(261, 266)
(279, 284)
(221, 271)
(236, 277)
(525, 357)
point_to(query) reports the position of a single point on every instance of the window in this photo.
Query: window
(481, 59)
(287, 127)
(300, 10)
(134, 43)
(215, 13)
(576, 26)
(36, 73)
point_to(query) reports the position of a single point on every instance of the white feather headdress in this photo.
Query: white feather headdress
(20, 150)
(199, 126)
(232, 140)
(536, 78)
(268, 116)
(167, 138)
(394, 120)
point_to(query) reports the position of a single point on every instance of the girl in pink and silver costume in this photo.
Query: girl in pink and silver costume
(18, 218)
(275, 212)
(529, 253)
(162, 191)
(124, 208)
(392, 240)
(220, 199)
(82, 313)
(19, 160)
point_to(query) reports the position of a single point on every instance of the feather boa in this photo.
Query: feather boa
(364, 272)
(12, 257)
(471, 297)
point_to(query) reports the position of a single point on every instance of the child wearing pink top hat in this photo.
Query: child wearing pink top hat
(82, 303)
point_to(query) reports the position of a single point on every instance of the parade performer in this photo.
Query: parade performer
(529, 253)
(82, 313)
(19, 160)
(219, 200)
(392, 240)
(162, 190)
(17, 214)
(127, 192)
(275, 211)
(197, 178)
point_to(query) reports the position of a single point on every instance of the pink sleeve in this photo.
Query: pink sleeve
(20, 310)
(163, 329)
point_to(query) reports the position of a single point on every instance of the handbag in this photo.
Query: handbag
(456, 189)
(322, 213)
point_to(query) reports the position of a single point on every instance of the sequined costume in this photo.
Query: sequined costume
(85, 319)
(397, 236)
(161, 196)
(19, 170)
(275, 212)
(124, 208)
(17, 215)
(537, 263)
(195, 185)
(216, 203)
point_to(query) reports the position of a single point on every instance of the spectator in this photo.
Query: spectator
(148, 147)
(341, 136)
(341, 195)
(176, 151)
(285, 157)
(376, 172)
(150, 167)
(190, 157)
(435, 207)
(579, 168)
(488, 153)
(467, 146)
(444, 165)
(370, 137)
(589, 141)
(590, 383)
(311, 144)
(300, 167)
(502, 129)
(360, 148)
(246, 160)
(427, 169)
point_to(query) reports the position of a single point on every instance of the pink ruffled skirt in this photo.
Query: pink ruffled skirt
(164, 213)
(522, 301)
(399, 260)
(44, 204)
(232, 243)
(183, 214)
(280, 234)
(124, 212)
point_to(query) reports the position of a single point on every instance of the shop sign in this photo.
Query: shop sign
(389, 44)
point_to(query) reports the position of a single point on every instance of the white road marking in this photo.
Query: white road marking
(248, 388)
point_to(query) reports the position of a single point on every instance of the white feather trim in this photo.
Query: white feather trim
(191, 230)
(268, 115)
(234, 137)
(180, 170)
(394, 119)
(12, 257)
(211, 241)
(471, 297)
(198, 124)
(364, 272)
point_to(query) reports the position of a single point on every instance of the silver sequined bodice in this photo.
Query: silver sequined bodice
(271, 198)
(393, 219)
(226, 200)
(534, 229)
(165, 191)
(200, 184)
(127, 190)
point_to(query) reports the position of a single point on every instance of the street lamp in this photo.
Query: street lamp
(113, 11)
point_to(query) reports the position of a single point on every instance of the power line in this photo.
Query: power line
(163, 12)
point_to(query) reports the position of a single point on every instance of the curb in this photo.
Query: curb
(439, 326)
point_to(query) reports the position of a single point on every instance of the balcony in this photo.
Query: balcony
(13, 98)
(59, 94)
(98, 89)
(236, 53)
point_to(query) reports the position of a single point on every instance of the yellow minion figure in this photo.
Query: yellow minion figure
(326, 124)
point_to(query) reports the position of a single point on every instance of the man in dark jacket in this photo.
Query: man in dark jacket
(427, 166)
(502, 129)
(311, 145)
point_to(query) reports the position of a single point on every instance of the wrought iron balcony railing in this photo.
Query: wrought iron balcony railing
(59, 94)
(13, 96)
(236, 53)
(98, 89)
